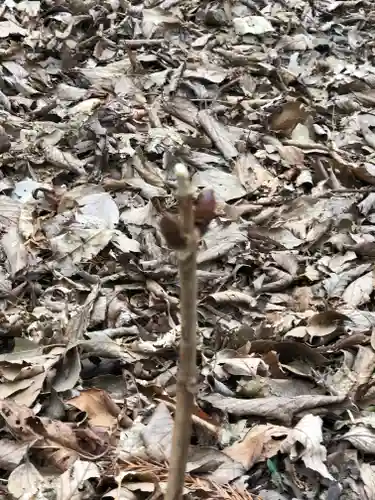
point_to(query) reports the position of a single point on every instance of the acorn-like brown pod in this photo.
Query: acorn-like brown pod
(172, 231)
(204, 212)
(205, 209)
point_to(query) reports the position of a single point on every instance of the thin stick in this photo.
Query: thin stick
(146, 41)
(186, 377)
(207, 426)
(280, 200)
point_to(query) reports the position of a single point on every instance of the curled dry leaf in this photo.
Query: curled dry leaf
(233, 296)
(254, 25)
(73, 480)
(359, 291)
(25, 480)
(98, 405)
(308, 433)
(365, 172)
(15, 250)
(218, 133)
(281, 409)
(291, 155)
(11, 453)
(225, 185)
(157, 435)
(289, 350)
(5, 143)
(361, 437)
(325, 323)
(287, 117)
(259, 444)
(245, 366)
(64, 159)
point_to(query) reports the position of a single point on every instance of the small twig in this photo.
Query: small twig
(214, 131)
(147, 41)
(280, 200)
(207, 426)
(186, 377)
(120, 331)
(251, 5)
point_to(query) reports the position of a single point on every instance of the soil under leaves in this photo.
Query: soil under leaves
(270, 105)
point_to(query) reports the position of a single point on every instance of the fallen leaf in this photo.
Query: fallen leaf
(287, 117)
(258, 445)
(325, 323)
(308, 433)
(255, 25)
(25, 480)
(361, 437)
(158, 433)
(278, 408)
(98, 405)
(359, 291)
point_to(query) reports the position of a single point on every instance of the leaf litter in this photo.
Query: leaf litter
(270, 105)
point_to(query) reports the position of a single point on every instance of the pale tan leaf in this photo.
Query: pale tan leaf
(367, 472)
(293, 156)
(233, 296)
(158, 433)
(359, 291)
(25, 480)
(325, 323)
(98, 405)
(308, 433)
(15, 250)
(362, 438)
(279, 408)
(70, 483)
(64, 159)
(258, 444)
(245, 366)
(288, 116)
(11, 453)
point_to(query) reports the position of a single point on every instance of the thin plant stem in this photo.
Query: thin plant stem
(186, 377)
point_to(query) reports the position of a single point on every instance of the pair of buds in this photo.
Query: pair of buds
(204, 212)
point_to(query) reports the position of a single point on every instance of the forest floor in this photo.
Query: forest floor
(268, 103)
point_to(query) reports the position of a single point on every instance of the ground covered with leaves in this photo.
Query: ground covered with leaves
(269, 103)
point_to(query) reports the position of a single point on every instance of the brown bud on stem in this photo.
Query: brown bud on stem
(204, 212)
(205, 207)
(172, 231)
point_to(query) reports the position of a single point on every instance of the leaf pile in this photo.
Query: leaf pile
(270, 105)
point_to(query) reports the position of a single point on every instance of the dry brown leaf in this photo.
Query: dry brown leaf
(287, 117)
(325, 323)
(98, 405)
(359, 291)
(25, 480)
(361, 437)
(279, 408)
(365, 172)
(246, 366)
(289, 350)
(11, 453)
(308, 433)
(258, 445)
(291, 155)
(233, 297)
(64, 159)
(367, 472)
